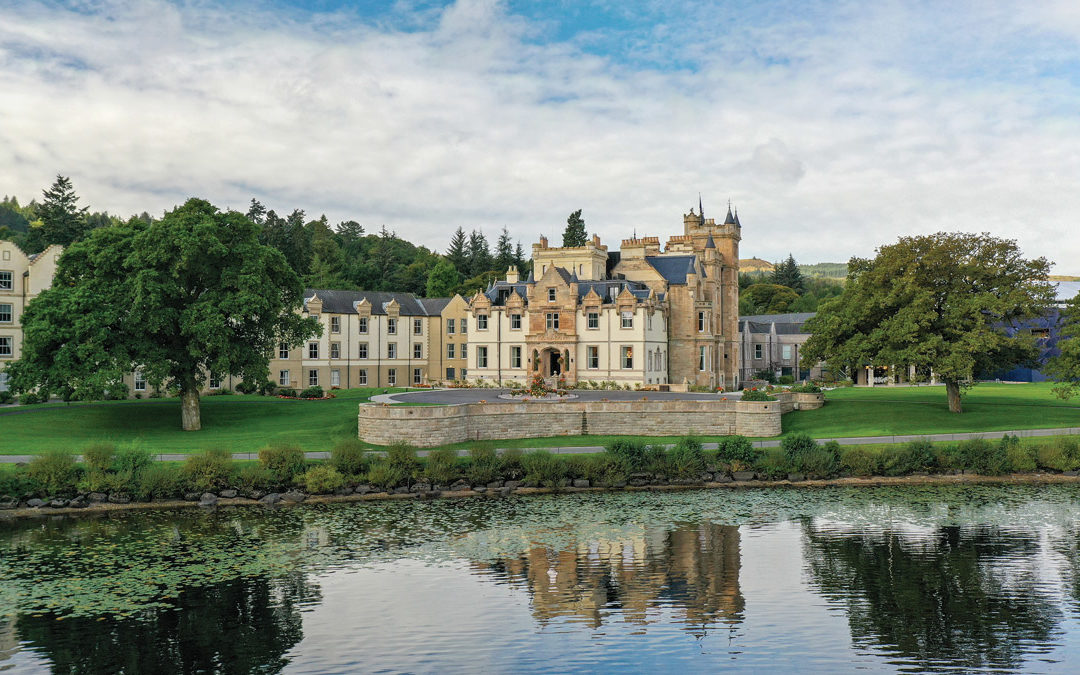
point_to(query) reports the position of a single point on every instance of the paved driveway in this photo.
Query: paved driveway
(457, 396)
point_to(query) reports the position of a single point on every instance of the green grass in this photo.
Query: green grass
(883, 411)
(238, 423)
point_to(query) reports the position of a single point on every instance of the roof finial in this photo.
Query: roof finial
(730, 220)
(700, 208)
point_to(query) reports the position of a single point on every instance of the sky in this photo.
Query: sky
(834, 127)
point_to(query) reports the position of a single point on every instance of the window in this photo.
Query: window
(627, 319)
(140, 381)
(417, 350)
(361, 376)
(363, 324)
(481, 322)
(5, 281)
(449, 350)
(701, 322)
(417, 327)
(5, 314)
(391, 350)
(449, 326)
(215, 382)
(312, 378)
(515, 322)
(391, 377)
(592, 357)
(593, 320)
(449, 373)
(551, 295)
(417, 376)
(464, 325)
(552, 320)
(335, 350)
(785, 351)
(283, 378)
(313, 350)
(627, 357)
(464, 373)
(464, 353)
(391, 326)
(283, 351)
(757, 351)
(335, 378)
(702, 359)
(515, 357)
(481, 357)
(335, 324)
(361, 351)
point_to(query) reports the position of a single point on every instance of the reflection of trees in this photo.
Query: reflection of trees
(236, 626)
(694, 568)
(963, 597)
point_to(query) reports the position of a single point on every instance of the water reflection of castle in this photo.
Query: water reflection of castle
(694, 570)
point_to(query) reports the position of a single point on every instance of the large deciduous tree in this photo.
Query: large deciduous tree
(443, 280)
(574, 234)
(1065, 367)
(944, 302)
(190, 295)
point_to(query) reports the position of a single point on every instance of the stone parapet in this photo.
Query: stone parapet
(440, 425)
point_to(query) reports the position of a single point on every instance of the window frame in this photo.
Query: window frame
(481, 356)
(362, 350)
(515, 322)
(626, 357)
(592, 357)
(363, 327)
(418, 350)
(758, 352)
(481, 322)
(10, 280)
(313, 377)
(449, 326)
(138, 377)
(418, 376)
(335, 374)
(626, 320)
(592, 321)
(552, 296)
(391, 350)
(335, 350)
(552, 320)
(361, 376)
(335, 324)
(313, 350)
(283, 378)
(515, 356)
(391, 325)
(450, 350)
(10, 313)
(391, 377)
(417, 327)
(283, 351)
(9, 341)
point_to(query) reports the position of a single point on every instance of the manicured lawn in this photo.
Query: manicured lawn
(237, 423)
(881, 411)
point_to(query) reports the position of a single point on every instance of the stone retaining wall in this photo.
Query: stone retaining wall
(439, 425)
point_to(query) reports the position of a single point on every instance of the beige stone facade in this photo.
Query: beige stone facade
(641, 316)
(22, 278)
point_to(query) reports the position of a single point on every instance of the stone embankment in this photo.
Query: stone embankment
(382, 424)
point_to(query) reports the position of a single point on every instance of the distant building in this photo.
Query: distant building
(22, 278)
(772, 342)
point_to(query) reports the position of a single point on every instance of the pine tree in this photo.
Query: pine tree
(457, 254)
(504, 252)
(479, 255)
(62, 220)
(574, 234)
(519, 258)
(256, 212)
(787, 274)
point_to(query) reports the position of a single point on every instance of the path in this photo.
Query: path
(591, 449)
(460, 396)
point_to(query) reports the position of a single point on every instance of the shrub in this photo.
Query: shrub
(210, 471)
(773, 463)
(349, 457)
(915, 456)
(1020, 458)
(822, 461)
(132, 459)
(287, 392)
(254, 477)
(247, 388)
(15, 484)
(269, 388)
(543, 468)
(1059, 455)
(980, 456)
(441, 467)
(605, 470)
(756, 395)
(859, 461)
(402, 458)
(99, 457)
(686, 459)
(224, 391)
(284, 462)
(53, 473)
(511, 465)
(948, 457)
(6, 397)
(633, 454)
(806, 388)
(312, 392)
(159, 481)
(383, 475)
(484, 466)
(736, 450)
(796, 445)
(322, 479)
(786, 379)
(30, 398)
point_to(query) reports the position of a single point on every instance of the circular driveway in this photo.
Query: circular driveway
(458, 396)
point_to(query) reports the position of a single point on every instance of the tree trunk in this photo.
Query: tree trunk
(189, 409)
(952, 388)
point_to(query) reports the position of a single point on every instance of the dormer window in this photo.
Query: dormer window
(551, 295)
(481, 321)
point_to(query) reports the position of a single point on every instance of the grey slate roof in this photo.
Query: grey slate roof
(785, 324)
(434, 306)
(672, 267)
(344, 302)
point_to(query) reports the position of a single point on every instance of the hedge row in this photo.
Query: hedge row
(134, 473)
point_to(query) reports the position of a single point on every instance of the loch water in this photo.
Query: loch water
(868, 579)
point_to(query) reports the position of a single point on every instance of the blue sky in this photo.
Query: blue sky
(835, 126)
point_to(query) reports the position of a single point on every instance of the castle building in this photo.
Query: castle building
(22, 278)
(639, 316)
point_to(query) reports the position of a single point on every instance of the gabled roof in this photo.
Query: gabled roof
(433, 306)
(783, 324)
(344, 302)
(673, 268)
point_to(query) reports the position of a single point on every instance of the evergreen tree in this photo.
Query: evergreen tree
(574, 234)
(504, 252)
(256, 212)
(443, 280)
(479, 255)
(787, 274)
(457, 252)
(62, 221)
(519, 258)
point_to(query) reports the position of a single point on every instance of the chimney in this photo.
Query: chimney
(512, 275)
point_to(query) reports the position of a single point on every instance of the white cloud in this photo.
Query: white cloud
(832, 133)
